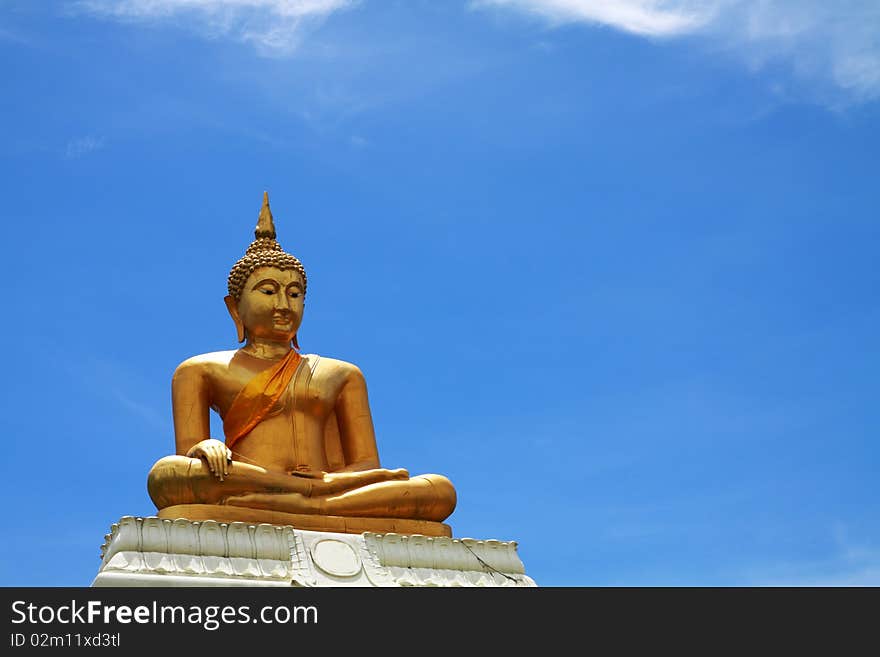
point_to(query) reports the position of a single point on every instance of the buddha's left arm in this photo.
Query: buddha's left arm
(356, 425)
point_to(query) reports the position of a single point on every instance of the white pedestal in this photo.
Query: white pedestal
(157, 552)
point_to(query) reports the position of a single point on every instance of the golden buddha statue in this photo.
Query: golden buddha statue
(300, 447)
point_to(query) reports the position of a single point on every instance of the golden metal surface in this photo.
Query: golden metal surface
(339, 524)
(307, 444)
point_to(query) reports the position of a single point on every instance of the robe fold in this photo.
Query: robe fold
(253, 403)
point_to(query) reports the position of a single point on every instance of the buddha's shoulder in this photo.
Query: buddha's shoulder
(205, 363)
(326, 366)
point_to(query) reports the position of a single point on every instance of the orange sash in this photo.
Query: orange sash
(258, 397)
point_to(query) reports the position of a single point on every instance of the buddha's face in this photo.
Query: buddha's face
(271, 304)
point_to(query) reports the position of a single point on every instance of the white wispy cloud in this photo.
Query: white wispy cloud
(648, 17)
(853, 563)
(11, 36)
(833, 43)
(117, 381)
(81, 146)
(272, 27)
(144, 411)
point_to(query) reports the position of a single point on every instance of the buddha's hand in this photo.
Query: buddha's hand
(216, 455)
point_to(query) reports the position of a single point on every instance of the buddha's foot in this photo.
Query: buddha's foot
(287, 502)
(427, 497)
(337, 482)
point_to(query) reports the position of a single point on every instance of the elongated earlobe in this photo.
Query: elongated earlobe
(295, 343)
(232, 307)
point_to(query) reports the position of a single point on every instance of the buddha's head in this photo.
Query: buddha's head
(267, 287)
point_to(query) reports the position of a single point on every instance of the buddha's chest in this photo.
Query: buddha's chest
(305, 394)
(310, 392)
(289, 435)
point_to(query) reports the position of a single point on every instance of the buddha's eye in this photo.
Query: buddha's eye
(265, 290)
(294, 295)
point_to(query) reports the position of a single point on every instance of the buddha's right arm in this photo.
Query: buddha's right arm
(190, 402)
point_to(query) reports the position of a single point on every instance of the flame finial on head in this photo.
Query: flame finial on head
(265, 222)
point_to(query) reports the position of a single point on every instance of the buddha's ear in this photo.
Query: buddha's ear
(232, 307)
(295, 343)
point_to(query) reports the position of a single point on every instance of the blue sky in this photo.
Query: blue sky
(611, 270)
